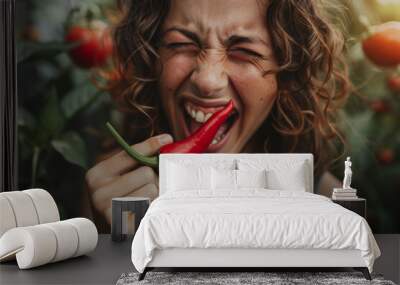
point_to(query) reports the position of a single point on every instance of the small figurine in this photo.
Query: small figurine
(347, 174)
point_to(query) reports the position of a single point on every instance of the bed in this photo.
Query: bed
(247, 210)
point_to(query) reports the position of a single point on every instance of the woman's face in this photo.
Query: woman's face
(213, 51)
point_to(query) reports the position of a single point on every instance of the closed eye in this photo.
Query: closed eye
(178, 45)
(245, 51)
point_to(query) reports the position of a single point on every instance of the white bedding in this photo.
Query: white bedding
(251, 218)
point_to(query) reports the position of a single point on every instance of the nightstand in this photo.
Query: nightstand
(357, 205)
(127, 212)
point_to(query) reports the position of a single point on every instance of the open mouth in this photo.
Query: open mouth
(196, 115)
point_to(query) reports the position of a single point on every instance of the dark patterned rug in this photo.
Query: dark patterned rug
(230, 278)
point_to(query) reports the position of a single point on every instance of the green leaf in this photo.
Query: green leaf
(80, 76)
(27, 50)
(72, 147)
(51, 119)
(78, 99)
(27, 129)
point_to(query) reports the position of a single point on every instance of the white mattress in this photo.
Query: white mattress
(252, 218)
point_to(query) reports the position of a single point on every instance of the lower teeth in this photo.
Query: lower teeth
(216, 140)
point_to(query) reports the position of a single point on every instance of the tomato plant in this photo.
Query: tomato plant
(382, 47)
(94, 44)
(393, 83)
(385, 155)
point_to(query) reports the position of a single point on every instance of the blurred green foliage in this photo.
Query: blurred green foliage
(60, 106)
(371, 118)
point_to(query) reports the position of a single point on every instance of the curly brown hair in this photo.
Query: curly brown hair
(311, 75)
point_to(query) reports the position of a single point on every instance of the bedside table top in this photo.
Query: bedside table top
(351, 199)
(130, 199)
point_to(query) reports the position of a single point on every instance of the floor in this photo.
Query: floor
(110, 260)
(389, 262)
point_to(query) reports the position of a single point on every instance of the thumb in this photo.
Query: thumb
(152, 145)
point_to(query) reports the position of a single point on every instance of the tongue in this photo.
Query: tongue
(222, 129)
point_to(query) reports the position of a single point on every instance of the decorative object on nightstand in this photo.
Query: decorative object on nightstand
(357, 205)
(347, 196)
(346, 192)
(127, 212)
(347, 174)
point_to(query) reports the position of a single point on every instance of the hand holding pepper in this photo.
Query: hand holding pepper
(119, 175)
(197, 142)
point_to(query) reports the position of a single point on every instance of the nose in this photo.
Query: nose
(209, 77)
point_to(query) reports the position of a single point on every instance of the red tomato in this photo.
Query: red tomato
(95, 44)
(393, 82)
(383, 46)
(385, 155)
(379, 106)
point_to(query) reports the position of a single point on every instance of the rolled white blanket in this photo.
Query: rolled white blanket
(26, 208)
(7, 218)
(45, 206)
(66, 237)
(22, 207)
(33, 246)
(40, 244)
(87, 235)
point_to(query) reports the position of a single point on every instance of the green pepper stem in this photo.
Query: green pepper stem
(149, 161)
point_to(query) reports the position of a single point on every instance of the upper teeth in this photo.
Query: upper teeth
(197, 115)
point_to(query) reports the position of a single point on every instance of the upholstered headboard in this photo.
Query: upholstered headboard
(230, 160)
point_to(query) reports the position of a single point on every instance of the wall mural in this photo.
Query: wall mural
(96, 76)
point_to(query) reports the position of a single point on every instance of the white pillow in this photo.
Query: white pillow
(251, 178)
(224, 179)
(291, 179)
(181, 177)
(282, 174)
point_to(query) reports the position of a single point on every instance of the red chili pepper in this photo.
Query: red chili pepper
(197, 142)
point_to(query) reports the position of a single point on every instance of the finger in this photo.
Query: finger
(120, 163)
(123, 185)
(148, 190)
(148, 147)
(95, 184)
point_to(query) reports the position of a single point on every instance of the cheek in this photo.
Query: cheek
(174, 72)
(255, 91)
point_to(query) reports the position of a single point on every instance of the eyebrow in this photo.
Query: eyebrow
(236, 39)
(232, 40)
(187, 33)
